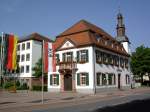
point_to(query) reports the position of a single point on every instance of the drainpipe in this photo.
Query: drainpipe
(94, 69)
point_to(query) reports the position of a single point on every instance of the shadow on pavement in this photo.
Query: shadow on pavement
(134, 106)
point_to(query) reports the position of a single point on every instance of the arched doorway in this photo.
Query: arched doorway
(67, 82)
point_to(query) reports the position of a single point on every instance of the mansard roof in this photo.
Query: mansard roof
(84, 33)
(35, 36)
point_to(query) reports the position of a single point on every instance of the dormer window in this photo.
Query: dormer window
(105, 42)
(109, 43)
(98, 37)
(112, 45)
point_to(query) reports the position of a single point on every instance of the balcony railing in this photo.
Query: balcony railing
(67, 65)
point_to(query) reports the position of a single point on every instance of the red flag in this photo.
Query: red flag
(45, 57)
(53, 58)
(10, 52)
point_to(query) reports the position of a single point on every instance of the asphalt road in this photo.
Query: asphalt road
(109, 105)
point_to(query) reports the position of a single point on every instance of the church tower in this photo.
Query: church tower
(121, 36)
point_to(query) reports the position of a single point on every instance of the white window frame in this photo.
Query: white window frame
(28, 47)
(83, 79)
(23, 48)
(28, 69)
(22, 58)
(22, 69)
(28, 58)
(82, 55)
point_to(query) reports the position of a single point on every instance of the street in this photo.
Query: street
(73, 102)
(93, 107)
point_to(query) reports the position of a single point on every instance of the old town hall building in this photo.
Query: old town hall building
(89, 60)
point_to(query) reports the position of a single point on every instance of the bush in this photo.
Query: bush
(17, 83)
(39, 88)
(24, 86)
(8, 85)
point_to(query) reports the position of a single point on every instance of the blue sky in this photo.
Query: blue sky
(51, 17)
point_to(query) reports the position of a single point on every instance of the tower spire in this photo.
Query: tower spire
(120, 26)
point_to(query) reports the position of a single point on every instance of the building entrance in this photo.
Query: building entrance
(68, 82)
(119, 79)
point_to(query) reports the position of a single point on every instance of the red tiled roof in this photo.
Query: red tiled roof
(83, 34)
(35, 36)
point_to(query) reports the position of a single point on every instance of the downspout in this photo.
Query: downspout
(94, 69)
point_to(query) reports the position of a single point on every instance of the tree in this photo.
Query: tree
(140, 62)
(38, 68)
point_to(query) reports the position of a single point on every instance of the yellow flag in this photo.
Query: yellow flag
(14, 56)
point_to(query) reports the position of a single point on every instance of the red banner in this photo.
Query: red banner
(53, 58)
(45, 57)
(10, 52)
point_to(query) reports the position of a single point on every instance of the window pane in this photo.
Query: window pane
(18, 48)
(28, 45)
(104, 81)
(22, 57)
(23, 46)
(22, 69)
(27, 57)
(27, 69)
(18, 58)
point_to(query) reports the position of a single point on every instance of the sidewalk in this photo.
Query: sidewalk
(30, 98)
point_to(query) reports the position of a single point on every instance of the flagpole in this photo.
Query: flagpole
(2, 56)
(42, 69)
(1, 60)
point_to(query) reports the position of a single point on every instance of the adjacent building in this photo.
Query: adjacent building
(29, 51)
(89, 60)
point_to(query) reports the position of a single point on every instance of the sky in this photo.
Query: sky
(52, 17)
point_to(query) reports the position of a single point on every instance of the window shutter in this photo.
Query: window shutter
(63, 57)
(102, 57)
(78, 79)
(98, 79)
(77, 56)
(57, 79)
(87, 56)
(57, 58)
(87, 79)
(51, 79)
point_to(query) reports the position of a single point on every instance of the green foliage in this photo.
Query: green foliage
(38, 68)
(39, 88)
(8, 85)
(17, 83)
(140, 61)
(24, 86)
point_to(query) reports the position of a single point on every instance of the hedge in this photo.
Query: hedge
(38, 88)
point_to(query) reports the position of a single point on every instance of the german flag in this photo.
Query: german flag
(14, 54)
(5, 45)
(11, 53)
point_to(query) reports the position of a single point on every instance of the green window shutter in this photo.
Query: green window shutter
(87, 56)
(71, 56)
(57, 79)
(57, 58)
(87, 79)
(63, 58)
(102, 57)
(51, 79)
(78, 79)
(98, 79)
(77, 56)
